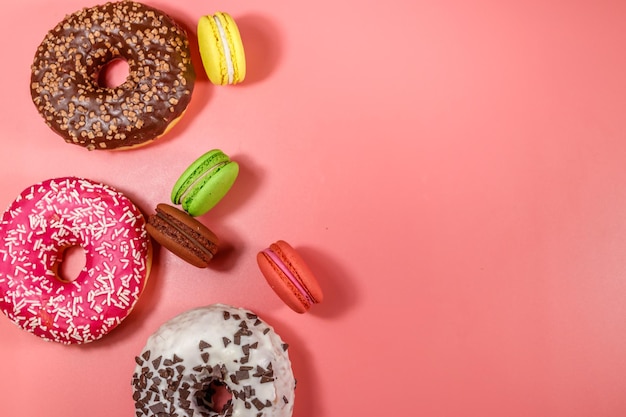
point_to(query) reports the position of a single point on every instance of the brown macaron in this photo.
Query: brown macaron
(183, 235)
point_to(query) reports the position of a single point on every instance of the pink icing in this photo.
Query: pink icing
(281, 265)
(56, 214)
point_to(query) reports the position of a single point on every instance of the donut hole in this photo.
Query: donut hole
(72, 260)
(217, 397)
(114, 73)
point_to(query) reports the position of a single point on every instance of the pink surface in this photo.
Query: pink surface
(453, 171)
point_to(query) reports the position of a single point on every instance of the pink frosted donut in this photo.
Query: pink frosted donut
(45, 220)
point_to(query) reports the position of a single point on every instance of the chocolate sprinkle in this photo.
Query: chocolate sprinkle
(242, 374)
(257, 403)
(156, 362)
(157, 408)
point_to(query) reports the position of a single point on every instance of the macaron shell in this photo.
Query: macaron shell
(281, 285)
(206, 194)
(211, 52)
(198, 167)
(185, 239)
(299, 268)
(197, 192)
(191, 225)
(164, 239)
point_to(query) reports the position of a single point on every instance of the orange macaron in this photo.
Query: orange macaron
(289, 276)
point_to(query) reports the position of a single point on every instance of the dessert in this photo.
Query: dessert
(67, 65)
(189, 357)
(47, 219)
(221, 49)
(183, 235)
(289, 276)
(205, 182)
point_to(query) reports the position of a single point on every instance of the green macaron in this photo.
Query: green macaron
(205, 182)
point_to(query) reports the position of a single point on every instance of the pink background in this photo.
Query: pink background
(453, 171)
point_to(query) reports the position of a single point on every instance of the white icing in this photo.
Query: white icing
(182, 338)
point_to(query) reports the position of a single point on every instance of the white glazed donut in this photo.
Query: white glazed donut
(45, 220)
(189, 355)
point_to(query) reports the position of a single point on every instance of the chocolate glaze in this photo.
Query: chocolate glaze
(64, 80)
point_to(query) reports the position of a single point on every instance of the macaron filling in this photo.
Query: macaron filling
(292, 278)
(227, 54)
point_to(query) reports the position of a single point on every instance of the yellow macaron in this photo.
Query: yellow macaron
(221, 49)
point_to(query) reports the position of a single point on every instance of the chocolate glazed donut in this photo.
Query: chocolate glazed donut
(67, 65)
